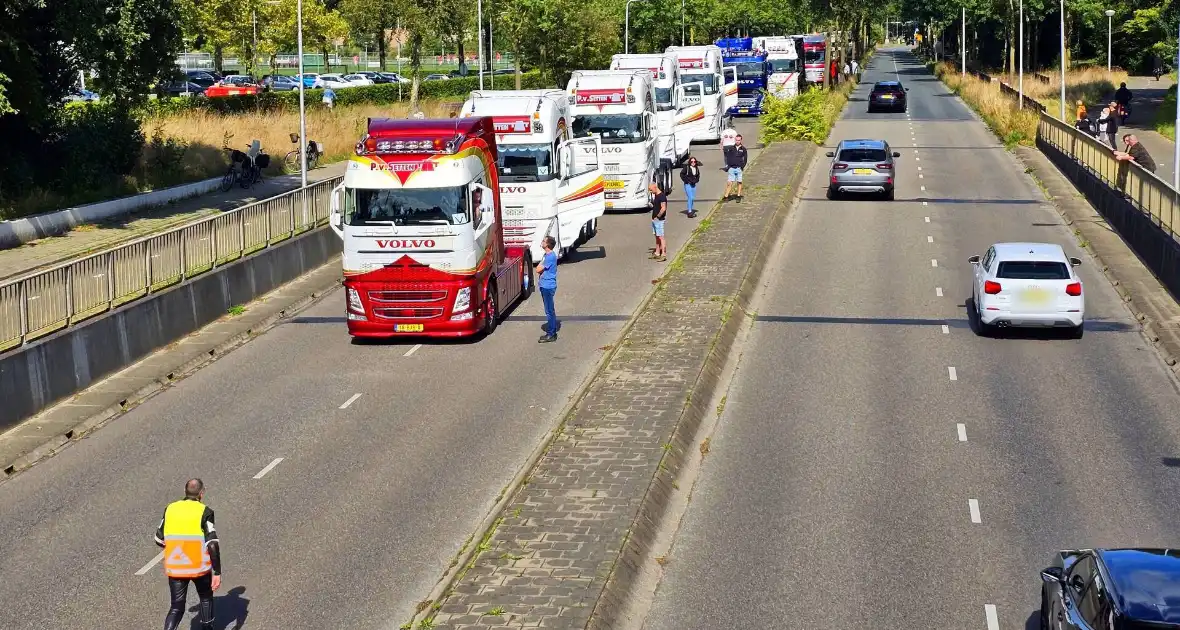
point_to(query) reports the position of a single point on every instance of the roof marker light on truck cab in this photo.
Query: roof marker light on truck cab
(373, 146)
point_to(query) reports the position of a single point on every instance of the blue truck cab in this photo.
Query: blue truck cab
(752, 72)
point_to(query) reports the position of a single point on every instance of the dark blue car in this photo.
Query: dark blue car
(1112, 589)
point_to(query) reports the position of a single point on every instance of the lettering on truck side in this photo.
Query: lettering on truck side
(408, 243)
(510, 190)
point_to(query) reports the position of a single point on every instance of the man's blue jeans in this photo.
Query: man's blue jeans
(550, 311)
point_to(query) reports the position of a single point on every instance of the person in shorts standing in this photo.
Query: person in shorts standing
(659, 212)
(735, 163)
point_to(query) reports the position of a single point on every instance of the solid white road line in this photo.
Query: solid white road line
(412, 350)
(993, 620)
(929, 239)
(973, 505)
(350, 401)
(269, 467)
(938, 291)
(954, 374)
(962, 432)
(946, 330)
(151, 563)
(933, 262)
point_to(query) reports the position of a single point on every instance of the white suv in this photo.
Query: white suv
(1027, 284)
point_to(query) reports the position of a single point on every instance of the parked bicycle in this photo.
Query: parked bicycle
(245, 169)
(314, 152)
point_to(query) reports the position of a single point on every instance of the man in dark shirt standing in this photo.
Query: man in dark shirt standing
(1135, 152)
(659, 212)
(735, 161)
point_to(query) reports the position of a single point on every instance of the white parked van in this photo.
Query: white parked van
(619, 108)
(702, 64)
(550, 183)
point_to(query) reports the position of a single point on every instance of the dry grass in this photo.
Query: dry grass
(1090, 85)
(203, 134)
(1012, 125)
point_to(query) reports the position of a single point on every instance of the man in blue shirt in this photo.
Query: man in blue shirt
(547, 283)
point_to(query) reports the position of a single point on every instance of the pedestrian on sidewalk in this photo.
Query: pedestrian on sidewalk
(855, 70)
(847, 71)
(690, 175)
(192, 554)
(1081, 110)
(1108, 125)
(659, 212)
(1135, 152)
(547, 283)
(735, 163)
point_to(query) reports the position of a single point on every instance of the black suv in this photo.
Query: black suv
(1111, 589)
(888, 96)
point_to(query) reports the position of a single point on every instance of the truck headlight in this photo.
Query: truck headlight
(354, 301)
(462, 300)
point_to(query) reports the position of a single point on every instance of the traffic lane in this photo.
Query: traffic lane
(829, 463)
(251, 406)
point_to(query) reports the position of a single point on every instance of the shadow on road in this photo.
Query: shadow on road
(230, 611)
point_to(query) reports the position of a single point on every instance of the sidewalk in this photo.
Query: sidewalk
(579, 530)
(1147, 95)
(87, 239)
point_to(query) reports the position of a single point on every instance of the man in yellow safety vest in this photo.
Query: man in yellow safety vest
(191, 554)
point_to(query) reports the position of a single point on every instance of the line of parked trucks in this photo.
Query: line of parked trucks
(443, 220)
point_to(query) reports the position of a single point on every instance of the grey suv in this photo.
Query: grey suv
(862, 166)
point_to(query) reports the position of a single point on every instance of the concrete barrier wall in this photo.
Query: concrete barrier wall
(1158, 250)
(36, 376)
(17, 232)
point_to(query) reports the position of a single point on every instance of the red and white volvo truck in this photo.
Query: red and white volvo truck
(419, 212)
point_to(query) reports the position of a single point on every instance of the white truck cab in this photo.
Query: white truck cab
(619, 108)
(702, 64)
(782, 54)
(550, 183)
(678, 106)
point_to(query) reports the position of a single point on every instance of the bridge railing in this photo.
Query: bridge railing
(45, 301)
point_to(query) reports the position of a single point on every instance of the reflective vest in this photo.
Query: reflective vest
(185, 554)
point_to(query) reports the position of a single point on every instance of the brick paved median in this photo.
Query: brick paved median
(575, 534)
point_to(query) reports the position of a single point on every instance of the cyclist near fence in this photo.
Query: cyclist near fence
(1123, 96)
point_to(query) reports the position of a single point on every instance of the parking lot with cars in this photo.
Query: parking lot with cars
(880, 465)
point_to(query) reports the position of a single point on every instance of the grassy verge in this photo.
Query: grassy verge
(1019, 126)
(186, 146)
(1165, 116)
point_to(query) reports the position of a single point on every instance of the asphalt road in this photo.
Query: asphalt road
(391, 456)
(880, 466)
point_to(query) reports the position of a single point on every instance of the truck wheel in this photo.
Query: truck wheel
(491, 310)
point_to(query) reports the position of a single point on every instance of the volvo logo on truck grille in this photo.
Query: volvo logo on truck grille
(406, 243)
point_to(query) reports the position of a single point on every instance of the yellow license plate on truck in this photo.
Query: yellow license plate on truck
(863, 171)
(614, 184)
(407, 328)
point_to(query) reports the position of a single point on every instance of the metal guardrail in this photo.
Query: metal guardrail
(1150, 194)
(1014, 94)
(43, 302)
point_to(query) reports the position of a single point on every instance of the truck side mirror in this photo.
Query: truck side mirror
(336, 207)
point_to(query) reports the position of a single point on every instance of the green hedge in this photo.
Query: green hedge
(809, 116)
(380, 94)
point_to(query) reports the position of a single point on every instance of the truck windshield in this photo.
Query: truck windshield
(813, 56)
(752, 70)
(709, 80)
(614, 128)
(407, 206)
(526, 162)
(784, 65)
(663, 99)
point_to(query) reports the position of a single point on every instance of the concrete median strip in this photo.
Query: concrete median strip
(576, 531)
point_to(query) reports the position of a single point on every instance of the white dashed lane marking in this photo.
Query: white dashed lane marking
(952, 373)
(973, 505)
(962, 432)
(993, 620)
(411, 351)
(269, 467)
(938, 291)
(350, 401)
(933, 262)
(946, 330)
(927, 218)
(929, 239)
(151, 563)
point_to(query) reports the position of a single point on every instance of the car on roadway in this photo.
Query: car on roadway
(862, 166)
(888, 96)
(1111, 589)
(1027, 285)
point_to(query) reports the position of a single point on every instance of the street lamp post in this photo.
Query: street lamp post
(963, 44)
(681, 22)
(491, 53)
(1020, 60)
(1109, 15)
(302, 107)
(1062, 60)
(627, 26)
(479, 18)
(1176, 152)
